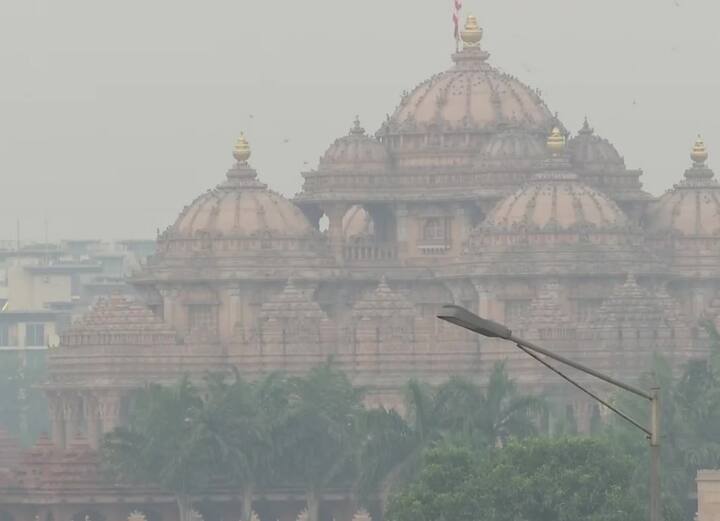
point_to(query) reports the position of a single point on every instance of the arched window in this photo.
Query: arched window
(434, 230)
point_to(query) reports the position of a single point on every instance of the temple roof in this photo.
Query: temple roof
(692, 207)
(545, 309)
(292, 302)
(554, 200)
(118, 320)
(353, 151)
(470, 96)
(240, 207)
(632, 305)
(592, 152)
(383, 302)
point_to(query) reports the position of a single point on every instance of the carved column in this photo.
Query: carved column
(108, 405)
(335, 214)
(169, 298)
(72, 414)
(235, 312)
(57, 420)
(485, 299)
(401, 216)
(92, 420)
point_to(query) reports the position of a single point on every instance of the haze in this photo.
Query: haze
(114, 115)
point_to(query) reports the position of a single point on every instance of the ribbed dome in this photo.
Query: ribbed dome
(554, 203)
(471, 95)
(356, 151)
(513, 144)
(589, 151)
(692, 207)
(241, 207)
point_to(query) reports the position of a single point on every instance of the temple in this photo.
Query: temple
(472, 192)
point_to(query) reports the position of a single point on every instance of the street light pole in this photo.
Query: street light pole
(655, 454)
(464, 318)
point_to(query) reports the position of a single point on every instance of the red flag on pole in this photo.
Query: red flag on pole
(457, 6)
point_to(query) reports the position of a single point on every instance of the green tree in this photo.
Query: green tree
(536, 479)
(690, 430)
(166, 444)
(318, 431)
(458, 411)
(242, 418)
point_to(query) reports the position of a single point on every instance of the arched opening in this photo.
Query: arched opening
(434, 230)
(323, 223)
(358, 223)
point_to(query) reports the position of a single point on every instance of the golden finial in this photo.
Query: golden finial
(472, 34)
(699, 153)
(555, 142)
(241, 150)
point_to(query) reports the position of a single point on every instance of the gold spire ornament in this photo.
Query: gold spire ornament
(555, 142)
(241, 150)
(472, 34)
(699, 153)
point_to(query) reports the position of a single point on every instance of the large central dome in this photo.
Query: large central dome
(471, 95)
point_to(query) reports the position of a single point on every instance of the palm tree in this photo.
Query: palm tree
(458, 411)
(317, 433)
(240, 417)
(504, 413)
(166, 444)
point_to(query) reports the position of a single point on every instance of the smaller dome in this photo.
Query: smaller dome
(357, 223)
(591, 152)
(513, 144)
(692, 207)
(555, 204)
(241, 207)
(555, 200)
(356, 151)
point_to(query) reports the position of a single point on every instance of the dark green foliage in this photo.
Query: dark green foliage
(533, 480)
(167, 442)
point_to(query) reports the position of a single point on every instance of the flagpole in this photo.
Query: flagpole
(457, 7)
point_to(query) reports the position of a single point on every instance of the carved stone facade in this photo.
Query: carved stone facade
(460, 197)
(456, 199)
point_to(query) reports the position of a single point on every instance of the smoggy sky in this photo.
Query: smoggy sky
(114, 115)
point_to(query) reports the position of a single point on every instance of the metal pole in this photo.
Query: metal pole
(655, 454)
(467, 319)
(580, 367)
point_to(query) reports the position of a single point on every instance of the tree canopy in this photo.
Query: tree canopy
(538, 479)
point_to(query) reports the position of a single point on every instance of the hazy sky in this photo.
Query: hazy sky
(114, 115)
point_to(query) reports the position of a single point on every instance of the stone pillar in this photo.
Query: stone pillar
(485, 300)
(169, 297)
(698, 301)
(92, 420)
(72, 413)
(335, 214)
(235, 312)
(108, 405)
(57, 420)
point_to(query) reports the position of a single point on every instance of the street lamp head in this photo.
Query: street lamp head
(467, 319)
